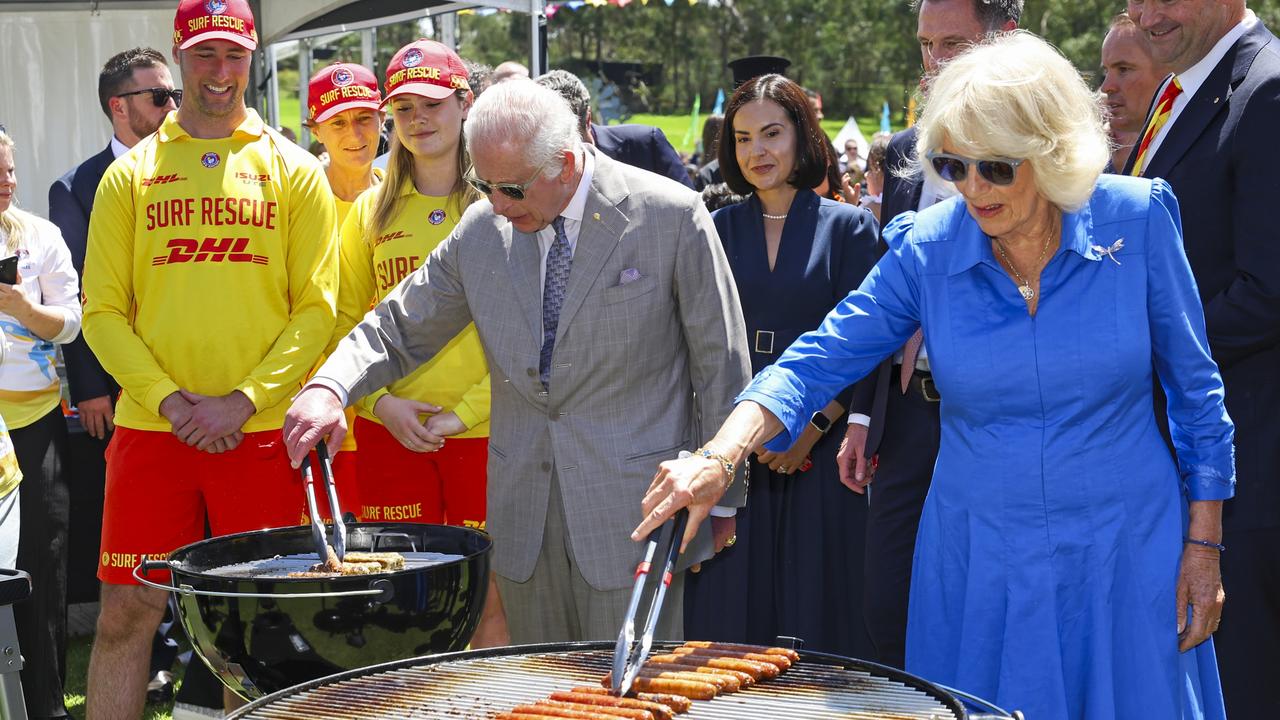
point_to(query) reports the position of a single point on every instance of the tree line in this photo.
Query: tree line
(857, 53)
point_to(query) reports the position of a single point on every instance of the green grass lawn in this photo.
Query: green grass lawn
(673, 126)
(77, 673)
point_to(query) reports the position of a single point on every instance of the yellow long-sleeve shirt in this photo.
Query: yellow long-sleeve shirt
(343, 207)
(212, 266)
(457, 378)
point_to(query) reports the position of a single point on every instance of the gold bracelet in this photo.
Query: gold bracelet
(725, 462)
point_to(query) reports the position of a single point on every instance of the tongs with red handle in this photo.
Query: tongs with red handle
(339, 543)
(628, 654)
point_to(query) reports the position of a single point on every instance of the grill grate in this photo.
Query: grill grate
(281, 566)
(481, 687)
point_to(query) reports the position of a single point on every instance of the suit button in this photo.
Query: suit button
(546, 466)
(531, 372)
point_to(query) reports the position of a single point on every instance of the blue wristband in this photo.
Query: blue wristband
(1206, 543)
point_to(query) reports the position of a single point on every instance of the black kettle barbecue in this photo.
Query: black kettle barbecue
(262, 630)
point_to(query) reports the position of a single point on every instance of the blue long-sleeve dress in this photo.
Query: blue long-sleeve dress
(1050, 542)
(796, 569)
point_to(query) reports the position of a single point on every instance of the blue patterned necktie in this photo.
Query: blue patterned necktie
(559, 260)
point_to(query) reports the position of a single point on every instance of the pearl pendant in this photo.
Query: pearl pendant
(1027, 292)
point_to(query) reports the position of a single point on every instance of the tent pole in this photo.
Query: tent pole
(273, 87)
(449, 30)
(304, 76)
(537, 38)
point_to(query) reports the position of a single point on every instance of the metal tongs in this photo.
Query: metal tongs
(339, 543)
(628, 654)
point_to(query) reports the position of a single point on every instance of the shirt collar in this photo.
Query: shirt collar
(252, 127)
(118, 148)
(974, 247)
(1194, 77)
(578, 203)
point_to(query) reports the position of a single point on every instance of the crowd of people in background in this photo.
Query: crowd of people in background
(1011, 364)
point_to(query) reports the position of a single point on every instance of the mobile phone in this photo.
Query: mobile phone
(9, 270)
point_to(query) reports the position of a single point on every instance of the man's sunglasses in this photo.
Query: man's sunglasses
(515, 191)
(159, 95)
(954, 168)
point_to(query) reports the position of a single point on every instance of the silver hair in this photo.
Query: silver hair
(522, 112)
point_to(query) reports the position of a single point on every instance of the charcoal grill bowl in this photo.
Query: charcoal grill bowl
(263, 635)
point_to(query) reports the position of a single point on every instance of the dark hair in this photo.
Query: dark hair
(718, 195)
(711, 128)
(571, 88)
(833, 174)
(992, 14)
(118, 71)
(812, 145)
(876, 153)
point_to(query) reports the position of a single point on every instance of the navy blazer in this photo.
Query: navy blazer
(900, 194)
(1223, 162)
(641, 146)
(70, 202)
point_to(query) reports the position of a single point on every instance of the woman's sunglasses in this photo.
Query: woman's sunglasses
(159, 95)
(515, 191)
(954, 168)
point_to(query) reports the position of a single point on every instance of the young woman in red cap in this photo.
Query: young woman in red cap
(406, 470)
(344, 112)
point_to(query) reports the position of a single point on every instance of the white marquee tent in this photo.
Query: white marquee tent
(51, 52)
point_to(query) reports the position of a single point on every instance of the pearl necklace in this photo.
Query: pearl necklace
(767, 216)
(1024, 287)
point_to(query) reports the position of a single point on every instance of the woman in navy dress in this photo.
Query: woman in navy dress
(1066, 565)
(795, 567)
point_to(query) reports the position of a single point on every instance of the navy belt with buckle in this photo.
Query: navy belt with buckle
(764, 342)
(921, 382)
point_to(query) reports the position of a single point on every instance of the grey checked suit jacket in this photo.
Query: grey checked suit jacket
(641, 370)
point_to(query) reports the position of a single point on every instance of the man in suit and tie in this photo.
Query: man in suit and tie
(894, 413)
(1212, 134)
(610, 321)
(136, 92)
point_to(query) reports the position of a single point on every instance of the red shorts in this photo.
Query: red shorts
(159, 491)
(399, 485)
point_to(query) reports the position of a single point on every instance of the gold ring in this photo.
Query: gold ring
(732, 539)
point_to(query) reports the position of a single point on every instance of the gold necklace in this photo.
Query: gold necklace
(1024, 287)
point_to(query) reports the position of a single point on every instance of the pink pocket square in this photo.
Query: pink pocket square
(629, 275)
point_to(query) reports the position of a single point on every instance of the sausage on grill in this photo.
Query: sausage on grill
(740, 647)
(722, 683)
(693, 690)
(747, 671)
(659, 712)
(788, 653)
(779, 660)
(660, 663)
(677, 703)
(556, 708)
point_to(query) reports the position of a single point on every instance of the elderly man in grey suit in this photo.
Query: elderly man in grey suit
(614, 340)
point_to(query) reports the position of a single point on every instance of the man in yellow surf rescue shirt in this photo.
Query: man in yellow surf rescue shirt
(210, 285)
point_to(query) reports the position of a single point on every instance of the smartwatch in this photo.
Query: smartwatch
(821, 422)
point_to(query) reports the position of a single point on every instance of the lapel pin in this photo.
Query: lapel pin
(595, 216)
